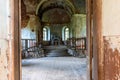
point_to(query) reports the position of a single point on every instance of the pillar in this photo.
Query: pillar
(78, 25)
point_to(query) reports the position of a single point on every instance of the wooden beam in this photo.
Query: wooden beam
(89, 37)
(98, 40)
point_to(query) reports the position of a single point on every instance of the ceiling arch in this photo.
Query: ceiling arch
(46, 5)
(56, 16)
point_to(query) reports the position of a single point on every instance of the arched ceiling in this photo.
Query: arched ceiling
(33, 5)
(66, 9)
(56, 16)
(46, 5)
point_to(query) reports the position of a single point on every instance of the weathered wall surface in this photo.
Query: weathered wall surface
(4, 45)
(112, 57)
(24, 17)
(78, 25)
(30, 31)
(111, 33)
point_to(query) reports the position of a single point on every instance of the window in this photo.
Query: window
(46, 33)
(66, 33)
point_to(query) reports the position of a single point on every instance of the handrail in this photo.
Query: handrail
(31, 49)
(77, 43)
(32, 52)
(26, 43)
(77, 46)
(81, 43)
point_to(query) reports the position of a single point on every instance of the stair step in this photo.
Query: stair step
(56, 51)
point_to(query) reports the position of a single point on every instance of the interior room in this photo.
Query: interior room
(53, 39)
(59, 40)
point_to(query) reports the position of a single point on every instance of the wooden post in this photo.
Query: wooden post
(89, 38)
(98, 40)
(15, 56)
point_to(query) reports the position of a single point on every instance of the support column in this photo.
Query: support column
(89, 39)
(97, 41)
(78, 25)
(40, 34)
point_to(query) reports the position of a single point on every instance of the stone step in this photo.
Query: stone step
(56, 51)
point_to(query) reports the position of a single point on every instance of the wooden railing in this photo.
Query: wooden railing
(78, 43)
(81, 43)
(77, 46)
(71, 43)
(33, 52)
(31, 49)
(27, 43)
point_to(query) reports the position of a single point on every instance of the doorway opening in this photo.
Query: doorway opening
(55, 15)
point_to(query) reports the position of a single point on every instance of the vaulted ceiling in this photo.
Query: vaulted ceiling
(53, 11)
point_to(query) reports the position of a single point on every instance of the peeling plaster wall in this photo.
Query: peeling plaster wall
(78, 25)
(24, 17)
(26, 33)
(111, 33)
(4, 44)
(30, 31)
(112, 57)
(31, 5)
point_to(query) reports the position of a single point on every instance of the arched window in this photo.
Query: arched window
(46, 34)
(66, 33)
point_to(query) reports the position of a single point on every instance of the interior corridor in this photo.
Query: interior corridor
(54, 68)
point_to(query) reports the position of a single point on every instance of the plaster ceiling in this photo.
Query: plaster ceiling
(66, 9)
(56, 15)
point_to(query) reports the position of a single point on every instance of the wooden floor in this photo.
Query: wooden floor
(54, 68)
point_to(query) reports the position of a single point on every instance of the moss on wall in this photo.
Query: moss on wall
(78, 25)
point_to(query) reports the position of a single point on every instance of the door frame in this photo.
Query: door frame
(15, 56)
(95, 51)
(89, 30)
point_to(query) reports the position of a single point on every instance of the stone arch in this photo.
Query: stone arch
(67, 2)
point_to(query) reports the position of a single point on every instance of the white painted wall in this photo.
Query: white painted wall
(4, 39)
(111, 17)
(26, 33)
